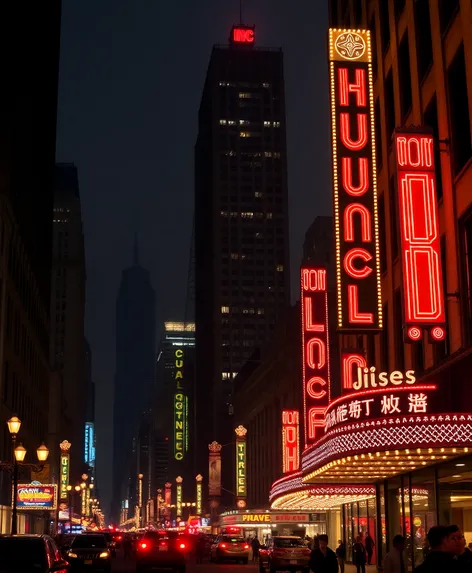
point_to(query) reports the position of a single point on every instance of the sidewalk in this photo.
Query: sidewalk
(352, 568)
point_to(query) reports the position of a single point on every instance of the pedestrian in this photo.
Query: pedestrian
(444, 544)
(341, 555)
(127, 547)
(394, 561)
(369, 547)
(255, 548)
(200, 548)
(323, 559)
(359, 555)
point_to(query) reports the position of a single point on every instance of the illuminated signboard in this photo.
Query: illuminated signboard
(180, 409)
(89, 450)
(242, 35)
(355, 181)
(315, 350)
(178, 503)
(37, 497)
(241, 485)
(214, 469)
(290, 441)
(423, 292)
(199, 479)
(65, 467)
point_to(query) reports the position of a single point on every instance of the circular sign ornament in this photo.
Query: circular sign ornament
(350, 46)
(65, 446)
(214, 503)
(438, 333)
(414, 333)
(241, 503)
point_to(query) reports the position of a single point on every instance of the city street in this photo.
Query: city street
(119, 565)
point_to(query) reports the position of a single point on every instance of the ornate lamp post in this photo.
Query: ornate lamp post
(19, 454)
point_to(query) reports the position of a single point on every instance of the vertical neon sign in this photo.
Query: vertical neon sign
(290, 441)
(315, 350)
(180, 409)
(355, 181)
(178, 503)
(199, 480)
(65, 468)
(241, 484)
(423, 292)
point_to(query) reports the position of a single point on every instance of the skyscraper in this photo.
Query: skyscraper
(241, 221)
(135, 367)
(68, 351)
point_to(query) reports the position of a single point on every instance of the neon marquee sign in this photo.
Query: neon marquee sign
(354, 177)
(423, 291)
(180, 410)
(290, 441)
(315, 350)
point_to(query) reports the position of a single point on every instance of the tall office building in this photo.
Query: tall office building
(29, 59)
(241, 222)
(68, 350)
(135, 368)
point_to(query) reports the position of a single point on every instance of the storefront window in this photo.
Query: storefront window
(394, 510)
(382, 530)
(424, 510)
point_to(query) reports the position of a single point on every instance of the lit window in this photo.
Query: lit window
(248, 311)
(280, 268)
(276, 154)
(225, 310)
(248, 134)
(223, 122)
(244, 122)
(244, 95)
(260, 311)
(231, 122)
(265, 85)
(276, 123)
(269, 215)
(235, 256)
(247, 215)
(267, 153)
(224, 213)
(267, 123)
(258, 194)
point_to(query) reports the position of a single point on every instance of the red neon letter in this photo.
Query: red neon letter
(346, 175)
(366, 224)
(358, 88)
(310, 326)
(315, 420)
(310, 388)
(350, 360)
(349, 267)
(356, 317)
(310, 358)
(345, 131)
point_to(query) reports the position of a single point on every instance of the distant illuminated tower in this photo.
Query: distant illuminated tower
(241, 221)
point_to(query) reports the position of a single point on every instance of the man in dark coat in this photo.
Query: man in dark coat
(443, 541)
(359, 555)
(323, 560)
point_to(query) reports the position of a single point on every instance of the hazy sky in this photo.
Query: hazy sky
(131, 77)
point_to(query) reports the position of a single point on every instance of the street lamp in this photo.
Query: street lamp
(69, 495)
(19, 454)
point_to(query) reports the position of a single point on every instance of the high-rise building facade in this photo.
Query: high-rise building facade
(135, 369)
(68, 350)
(28, 111)
(393, 457)
(241, 222)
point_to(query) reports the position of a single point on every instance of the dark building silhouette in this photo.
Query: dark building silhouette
(68, 350)
(241, 226)
(135, 368)
(29, 59)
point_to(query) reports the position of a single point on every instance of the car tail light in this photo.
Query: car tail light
(246, 547)
(182, 546)
(223, 545)
(143, 545)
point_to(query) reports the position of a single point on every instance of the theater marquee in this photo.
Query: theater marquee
(355, 181)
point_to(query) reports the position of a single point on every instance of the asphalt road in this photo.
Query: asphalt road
(121, 566)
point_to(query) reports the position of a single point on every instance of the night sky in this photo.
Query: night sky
(131, 77)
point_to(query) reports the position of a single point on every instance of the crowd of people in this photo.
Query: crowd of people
(446, 552)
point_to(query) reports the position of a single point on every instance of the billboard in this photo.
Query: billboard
(315, 350)
(423, 292)
(37, 497)
(354, 182)
(214, 470)
(290, 441)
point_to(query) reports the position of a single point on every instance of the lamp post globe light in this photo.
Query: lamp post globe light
(18, 458)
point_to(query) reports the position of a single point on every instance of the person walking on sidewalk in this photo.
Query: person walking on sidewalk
(369, 547)
(359, 555)
(341, 555)
(323, 559)
(394, 561)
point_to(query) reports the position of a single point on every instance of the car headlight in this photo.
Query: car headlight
(72, 554)
(104, 555)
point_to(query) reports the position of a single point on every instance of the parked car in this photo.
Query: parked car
(30, 553)
(230, 547)
(161, 550)
(89, 552)
(284, 553)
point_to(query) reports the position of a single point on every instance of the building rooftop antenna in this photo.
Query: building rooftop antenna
(241, 12)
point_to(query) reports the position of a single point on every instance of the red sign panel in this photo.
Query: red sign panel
(315, 348)
(355, 182)
(423, 292)
(351, 361)
(242, 35)
(290, 441)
